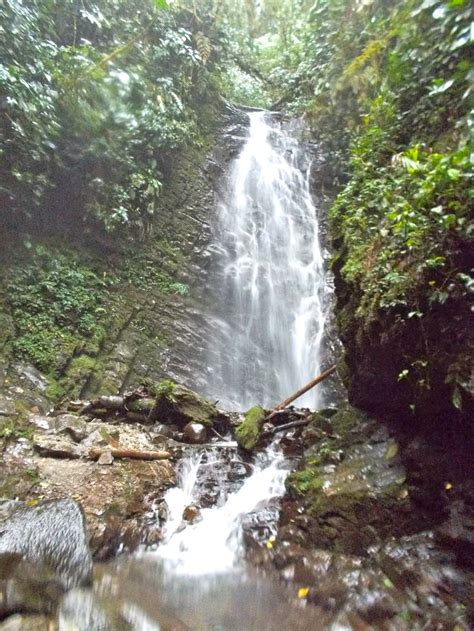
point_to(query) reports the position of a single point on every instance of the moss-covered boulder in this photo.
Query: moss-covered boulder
(351, 483)
(179, 405)
(248, 432)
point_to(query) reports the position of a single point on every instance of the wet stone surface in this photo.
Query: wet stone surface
(355, 540)
(52, 534)
(354, 537)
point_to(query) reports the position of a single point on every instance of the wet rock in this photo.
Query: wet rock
(457, 532)
(53, 534)
(301, 566)
(191, 513)
(54, 446)
(179, 405)
(351, 484)
(248, 432)
(29, 623)
(26, 587)
(195, 433)
(238, 470)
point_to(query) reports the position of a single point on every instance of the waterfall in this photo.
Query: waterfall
(268, 293)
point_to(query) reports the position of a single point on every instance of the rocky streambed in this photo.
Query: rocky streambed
(375, 529)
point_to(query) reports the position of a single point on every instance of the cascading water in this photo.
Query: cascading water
(269, 282)
(269, 315)
(214, 544)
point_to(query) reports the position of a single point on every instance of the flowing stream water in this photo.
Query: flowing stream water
(214, 544)
(269, 290)
(270, 306)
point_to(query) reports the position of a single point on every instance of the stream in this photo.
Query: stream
(358, 541)
(269, 300)
(198, 579)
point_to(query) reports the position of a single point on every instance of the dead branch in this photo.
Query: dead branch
(282, 428)
(301, 391)
(136, 454)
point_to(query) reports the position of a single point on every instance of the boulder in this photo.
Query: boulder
(26, 587)
(191, 513)
(28, 623)
(195, 433)
(54, 446)
(249, 430)
(52, 534)
(71, 425)
(179, 405)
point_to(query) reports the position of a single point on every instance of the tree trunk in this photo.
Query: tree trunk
(303, 390)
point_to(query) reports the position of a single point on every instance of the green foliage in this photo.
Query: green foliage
(15, 429)
(165, 388)
(400, 221)
(143, 273)
(95, 98)
(58, 307)
(343, 54)
(386, 87)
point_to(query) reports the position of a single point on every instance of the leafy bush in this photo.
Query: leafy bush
(94, 99)
(58, 308)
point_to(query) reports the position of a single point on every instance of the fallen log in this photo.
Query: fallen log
(301, 391)
(136, 454)
(282, 428)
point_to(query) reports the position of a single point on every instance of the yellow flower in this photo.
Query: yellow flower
(303, 592)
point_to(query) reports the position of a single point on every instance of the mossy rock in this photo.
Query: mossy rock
(351, 481)
(141, 406)
(179, 405)
(248, 432)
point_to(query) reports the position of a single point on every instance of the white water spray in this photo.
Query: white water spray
(214, 544)
(269, 290)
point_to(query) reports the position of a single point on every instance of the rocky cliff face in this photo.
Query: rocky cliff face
(151, 321)
(412, 370)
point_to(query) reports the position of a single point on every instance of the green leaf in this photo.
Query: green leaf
(161, 4)
(456, 398)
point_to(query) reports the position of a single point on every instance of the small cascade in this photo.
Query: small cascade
(214, 544)
(268, 295)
